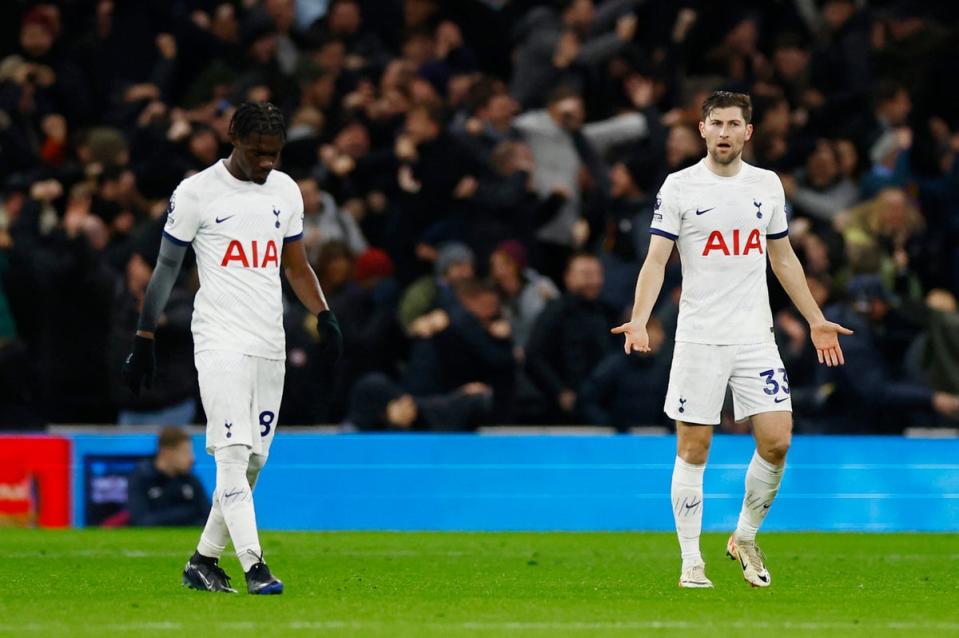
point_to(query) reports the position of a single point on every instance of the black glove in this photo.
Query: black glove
(140, 366)
(331, 337)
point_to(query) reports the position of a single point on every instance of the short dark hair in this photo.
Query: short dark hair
(257, 118)
(482, 91)
(472, 288)
(433, 109)
(885, 90)
(171, 437)
(561, 93)
(581, 254)
(724, 99)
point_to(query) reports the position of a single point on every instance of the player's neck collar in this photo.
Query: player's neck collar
(708, 165)
(224, 165)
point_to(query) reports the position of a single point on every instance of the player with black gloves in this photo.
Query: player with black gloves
(245, 221)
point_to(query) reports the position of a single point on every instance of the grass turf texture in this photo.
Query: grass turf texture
(127, 582)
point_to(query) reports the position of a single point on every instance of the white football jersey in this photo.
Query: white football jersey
(720, 226)
(238, 229)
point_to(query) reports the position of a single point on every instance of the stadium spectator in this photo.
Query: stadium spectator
(324, 221)
(564, 47)
(570, 337)
(454, 264)
(164, 491)
(377, 403)
(16, 409)
(487, 119)
(626, 392)
(523, 292)
(820, 190)
(469, 343)
(566, 149)
(876, 397)
(506, 204)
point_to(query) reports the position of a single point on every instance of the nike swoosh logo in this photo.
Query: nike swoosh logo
(741, 561)
(692, 505)
(231, 494)
(700, 212)
(762, 578)
(777, 400)
(220, 221)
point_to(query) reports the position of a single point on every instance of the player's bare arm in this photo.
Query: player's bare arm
(789, 272)
(648, 285)
(302, 279)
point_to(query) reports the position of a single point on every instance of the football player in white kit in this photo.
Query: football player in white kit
(724, 215)
(245, 221)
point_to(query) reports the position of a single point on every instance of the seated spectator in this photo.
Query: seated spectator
(570, 337)
(627, 391)
(523, 291)
(881, 235)
(454, 264)
(820, 190)
(324, 221)
(625, 238)
(470, 342)
(874, 395)
(377, 403)
(891, 163)
(164, 491)
(940, 346)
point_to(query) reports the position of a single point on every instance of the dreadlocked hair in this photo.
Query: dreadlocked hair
(257, 118)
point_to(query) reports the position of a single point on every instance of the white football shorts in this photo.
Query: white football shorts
(700, 373)
(241, 396)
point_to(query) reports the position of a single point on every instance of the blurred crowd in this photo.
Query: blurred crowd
(478, 179)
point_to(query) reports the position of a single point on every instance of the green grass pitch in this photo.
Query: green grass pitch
(127, 583)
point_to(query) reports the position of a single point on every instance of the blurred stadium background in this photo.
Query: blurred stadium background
(478, 178)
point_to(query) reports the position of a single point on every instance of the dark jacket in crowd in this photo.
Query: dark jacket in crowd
(569, 339)
(870, 395)
(157, 499)
(626, 391)
(63, 291)
(455, 411)
(463, 353)
(372, 340)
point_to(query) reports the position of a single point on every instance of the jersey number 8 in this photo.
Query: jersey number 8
(266, 422)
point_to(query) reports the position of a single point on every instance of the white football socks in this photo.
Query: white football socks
(687, 495)
(762, 484)
(215, 535)
(235, 498)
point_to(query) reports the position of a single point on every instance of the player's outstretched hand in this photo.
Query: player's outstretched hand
(637, 339)
(140, 365)
(330, 337)
(825, 336)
